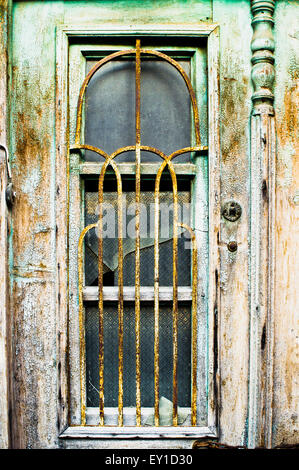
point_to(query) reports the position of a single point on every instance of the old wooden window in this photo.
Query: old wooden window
(139, 322)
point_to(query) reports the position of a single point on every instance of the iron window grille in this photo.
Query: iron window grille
(138, 293)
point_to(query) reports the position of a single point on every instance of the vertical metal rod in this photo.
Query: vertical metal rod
(137, 251)
(156, 298)
(120, 308)
(137, 246)
(175, 303)
(194, 324)
(101, 303)
(82, 325)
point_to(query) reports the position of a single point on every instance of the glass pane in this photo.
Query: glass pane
(147, 354)
(110, 242)
(165, 109)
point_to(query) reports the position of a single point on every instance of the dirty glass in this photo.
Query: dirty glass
(165, 109)
(110, 242)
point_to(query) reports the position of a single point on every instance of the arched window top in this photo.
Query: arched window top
(138, 52)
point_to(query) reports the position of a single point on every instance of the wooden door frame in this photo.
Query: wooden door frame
(5, 335)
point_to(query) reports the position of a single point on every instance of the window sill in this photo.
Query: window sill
(134, 432)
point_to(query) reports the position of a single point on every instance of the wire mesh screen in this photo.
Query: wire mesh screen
(147, 354)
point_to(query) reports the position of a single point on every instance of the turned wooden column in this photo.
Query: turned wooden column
(263, 152)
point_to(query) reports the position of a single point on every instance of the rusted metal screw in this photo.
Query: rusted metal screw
(232, 246)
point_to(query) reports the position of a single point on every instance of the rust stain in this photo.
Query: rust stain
(212, 444)
(288, 125)
(234, 94)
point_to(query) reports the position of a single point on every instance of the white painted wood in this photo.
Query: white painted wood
(202, 29)
(91, 168)
(146, 293)
(214, 225)
(132, 432)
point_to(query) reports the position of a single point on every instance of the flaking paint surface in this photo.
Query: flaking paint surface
(286, 352)
(235, 106)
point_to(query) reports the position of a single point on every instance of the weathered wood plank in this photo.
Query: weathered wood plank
(214, 97)
(286, 298)
(41, 311)
(111, 416)
(34, 228)
(4, 280)
(232, 279)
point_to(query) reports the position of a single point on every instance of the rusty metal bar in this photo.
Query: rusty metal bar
(137, 246)
(194, 325)
(175, 303)
(156, 301)
(82, 324)
(120, 293)
(120, 307)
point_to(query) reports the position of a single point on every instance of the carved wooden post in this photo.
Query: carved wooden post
(263, 153)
